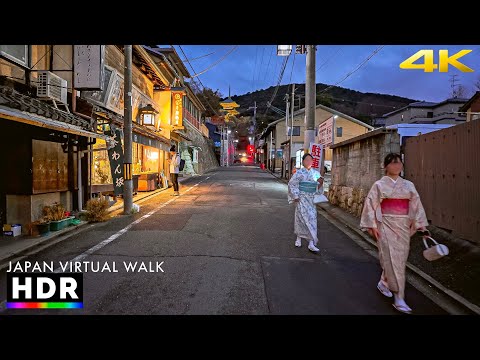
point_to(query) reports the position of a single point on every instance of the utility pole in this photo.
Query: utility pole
(228, 149)
(222, 150)
(285, 155)
(127, 142)
(287, 112)
(310, 99)
(290, 166)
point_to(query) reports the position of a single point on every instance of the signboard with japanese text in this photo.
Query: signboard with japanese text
(115, 155)
(325, 132)
(112, 94)
(89, 68)
(316, 150)
(177, 106)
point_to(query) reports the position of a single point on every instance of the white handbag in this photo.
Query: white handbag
(319, 198)
(434, 252)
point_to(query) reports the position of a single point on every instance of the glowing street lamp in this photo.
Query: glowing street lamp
(284, 50)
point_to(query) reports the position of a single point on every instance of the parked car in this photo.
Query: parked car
(328, 165)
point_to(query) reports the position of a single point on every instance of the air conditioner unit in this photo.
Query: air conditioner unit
(51, 86)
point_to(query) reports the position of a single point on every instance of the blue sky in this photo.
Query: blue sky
(253, 67)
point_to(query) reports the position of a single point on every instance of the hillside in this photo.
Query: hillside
(363, 106)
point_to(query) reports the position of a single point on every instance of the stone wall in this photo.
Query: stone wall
(206, 153)
(357, 164)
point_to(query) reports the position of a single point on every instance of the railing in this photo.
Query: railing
(191, 119)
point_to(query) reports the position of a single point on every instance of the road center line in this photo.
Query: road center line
(125, 229)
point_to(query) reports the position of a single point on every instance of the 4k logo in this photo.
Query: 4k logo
(444, 60)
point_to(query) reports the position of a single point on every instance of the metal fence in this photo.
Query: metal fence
(445, 167)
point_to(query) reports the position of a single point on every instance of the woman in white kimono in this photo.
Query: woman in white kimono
(301, 190)
(392, 213)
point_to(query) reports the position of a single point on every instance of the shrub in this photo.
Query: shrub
(54, 212)
(97, 209)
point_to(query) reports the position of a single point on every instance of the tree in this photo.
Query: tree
(460, 92)
(210, 99)
(477, 84)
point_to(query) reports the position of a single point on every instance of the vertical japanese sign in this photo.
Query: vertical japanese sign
(115, 155)
(325, 132)
(316, 150)
(177, 106)
(89, 67)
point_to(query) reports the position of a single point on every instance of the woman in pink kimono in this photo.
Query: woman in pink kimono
(301, 190)
(392, 213)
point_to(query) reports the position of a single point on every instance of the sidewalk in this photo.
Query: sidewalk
(13, 248)
(457, 275)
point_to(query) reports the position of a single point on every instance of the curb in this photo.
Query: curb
(41, 245)
(449, 293)
(61, 236)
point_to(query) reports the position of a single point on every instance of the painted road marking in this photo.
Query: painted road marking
(116, 235)
(124, 230)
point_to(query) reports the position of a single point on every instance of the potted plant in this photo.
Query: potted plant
(56, 214)
(41, 226)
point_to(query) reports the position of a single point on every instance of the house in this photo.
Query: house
(423, 112)
(60, 132)
(276, 142)
(472, 107)
(192, 136)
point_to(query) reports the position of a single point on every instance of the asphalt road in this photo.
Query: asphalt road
(227, 247)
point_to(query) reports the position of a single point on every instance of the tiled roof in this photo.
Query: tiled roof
(15, 100)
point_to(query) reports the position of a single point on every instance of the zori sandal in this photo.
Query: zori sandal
(402, 308)
(384, 290)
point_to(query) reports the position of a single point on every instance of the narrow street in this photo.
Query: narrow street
(227, 244)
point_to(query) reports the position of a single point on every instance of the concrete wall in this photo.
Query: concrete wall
(356, 166)
(24, 209)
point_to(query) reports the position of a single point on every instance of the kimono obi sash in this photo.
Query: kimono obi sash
(395, 206)
(308, 186)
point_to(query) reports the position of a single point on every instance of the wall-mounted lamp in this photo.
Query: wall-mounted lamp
(147, 115)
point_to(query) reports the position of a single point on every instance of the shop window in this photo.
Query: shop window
(151, 159)
(137, 152)
(101, 172)
(16, 53)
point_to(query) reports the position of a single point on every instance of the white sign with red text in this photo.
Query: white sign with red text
(316, 150)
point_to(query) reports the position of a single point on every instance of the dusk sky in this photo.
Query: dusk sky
(253, 67)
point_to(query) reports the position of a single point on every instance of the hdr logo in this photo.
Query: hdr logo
(44, 291)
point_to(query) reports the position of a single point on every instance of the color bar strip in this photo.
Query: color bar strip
(44, 305)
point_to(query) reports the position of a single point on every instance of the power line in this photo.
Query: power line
(330, 58)
(291, 72)
(356, 102)
(261, 63)
(254, 69)
(199, 57)
(282, 71)
(200, 81)
(217, 62)
(268, 65)
(276, 64)
(356, 69)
